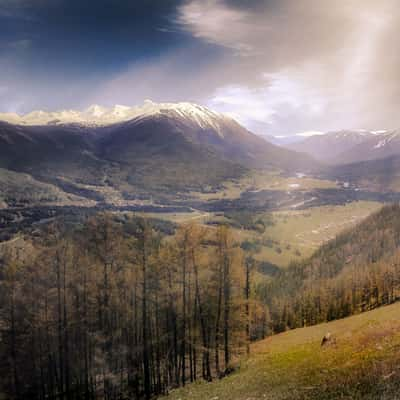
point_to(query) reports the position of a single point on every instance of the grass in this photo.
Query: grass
(362, 362)
(297, 234)
(179, 218)
(263, 180)
(294, 235)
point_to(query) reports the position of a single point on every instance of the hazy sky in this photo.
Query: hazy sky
(278, 66)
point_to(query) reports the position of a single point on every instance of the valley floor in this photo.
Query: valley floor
(362, 361)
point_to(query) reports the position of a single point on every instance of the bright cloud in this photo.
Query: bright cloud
(324, 66)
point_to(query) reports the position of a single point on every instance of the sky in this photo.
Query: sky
(280, 67)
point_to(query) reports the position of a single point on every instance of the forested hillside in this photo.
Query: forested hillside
(357, 271)
(125, 307)
(116, 308)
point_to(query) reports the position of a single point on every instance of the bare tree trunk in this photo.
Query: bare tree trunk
(227, 305)
(145, 331)
(206, 353)
(85, 334)
(65, 329)
(247, 298)
(218, 317)
(13, 340)
(183, 333)
(60, 327)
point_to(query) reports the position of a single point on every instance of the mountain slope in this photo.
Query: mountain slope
(166, 147)
(379, 146)
(352, 274)
(330, 146)
(196, 123)
(112, 155)
(347, 147)
(50, 151)
(362, 363)
(213, 131)
(18, 189)
(157, 152)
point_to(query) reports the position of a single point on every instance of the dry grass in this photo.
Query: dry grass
(363, 363)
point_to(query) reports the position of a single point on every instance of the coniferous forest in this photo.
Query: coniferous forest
(123, 308)
(116, 310)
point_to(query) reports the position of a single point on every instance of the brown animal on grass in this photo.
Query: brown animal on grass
(326, 339)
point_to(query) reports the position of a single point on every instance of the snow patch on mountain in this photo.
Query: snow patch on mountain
(380, 144)
(379, 132)
(387, 138)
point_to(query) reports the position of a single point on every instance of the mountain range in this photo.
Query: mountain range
(347, 146)
(158, 147)
(367, 159)
(172, 148)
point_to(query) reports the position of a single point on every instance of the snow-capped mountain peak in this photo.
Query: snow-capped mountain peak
(96, 111)
(349, 146)
(99, 115)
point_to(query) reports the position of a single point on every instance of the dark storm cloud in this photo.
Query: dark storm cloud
(98, 26)
(59, 42)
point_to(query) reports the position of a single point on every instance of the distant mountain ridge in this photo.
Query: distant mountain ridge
(380, 146)
(346, 147)
(369, 160)
(329, 146)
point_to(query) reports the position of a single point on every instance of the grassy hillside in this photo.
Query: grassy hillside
(362, 364)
